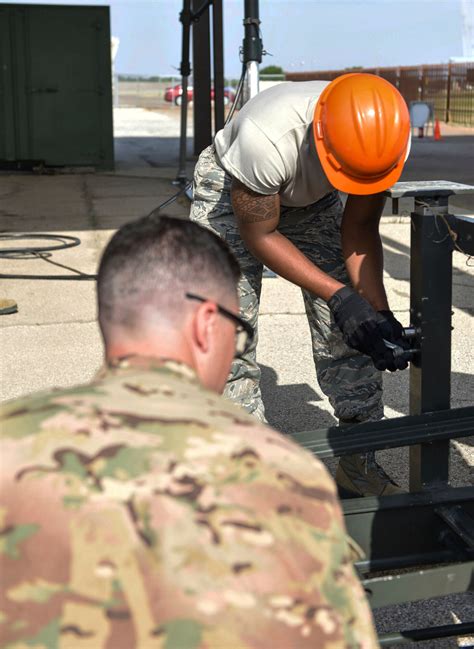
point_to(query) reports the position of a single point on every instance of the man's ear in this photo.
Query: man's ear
(204, 319)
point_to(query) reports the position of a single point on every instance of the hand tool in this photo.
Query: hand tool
(409, 333)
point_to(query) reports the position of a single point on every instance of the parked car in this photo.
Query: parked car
(174, 94)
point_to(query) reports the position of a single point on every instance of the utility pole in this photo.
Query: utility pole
(252, 48)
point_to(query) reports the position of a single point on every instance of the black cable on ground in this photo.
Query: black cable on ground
(155, 211)
(41, 252)
(65, 241)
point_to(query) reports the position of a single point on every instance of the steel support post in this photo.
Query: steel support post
(252, 48)
(185, 70)
(218, 61)
(202, 78)
(252, 84)
(430, 309)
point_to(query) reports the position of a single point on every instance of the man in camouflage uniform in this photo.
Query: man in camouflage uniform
(267, 186)
(145, 510)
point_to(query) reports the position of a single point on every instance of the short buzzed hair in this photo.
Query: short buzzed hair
(152, 262)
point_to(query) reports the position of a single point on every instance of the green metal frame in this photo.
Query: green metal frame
(413, 586)
(418, 635)
(434, 523)
(376, 436)
(397, 530)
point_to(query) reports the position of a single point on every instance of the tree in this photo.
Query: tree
(272, 69)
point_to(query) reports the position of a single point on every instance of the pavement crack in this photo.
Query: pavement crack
(151, 162)
(45, 324)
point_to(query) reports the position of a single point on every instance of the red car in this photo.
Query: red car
(174, 94)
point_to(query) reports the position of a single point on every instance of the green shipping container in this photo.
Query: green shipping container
(55, 85)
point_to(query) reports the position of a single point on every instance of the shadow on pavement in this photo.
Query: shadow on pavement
(82, 199)
(293, 408)
(397, 265)
(290, 408)
(155, 152)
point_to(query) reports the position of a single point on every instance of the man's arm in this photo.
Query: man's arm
(258, 217)
(362, 247)
(363, 315)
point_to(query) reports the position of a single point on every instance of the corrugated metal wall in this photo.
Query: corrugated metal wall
(55, 85)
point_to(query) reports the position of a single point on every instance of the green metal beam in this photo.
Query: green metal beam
(438, 557)
(419, 635)
(389, 433)
(460, 522)
(422, 584)
(373, 505)
(393, 527)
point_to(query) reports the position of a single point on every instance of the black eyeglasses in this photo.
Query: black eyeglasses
(243, 332)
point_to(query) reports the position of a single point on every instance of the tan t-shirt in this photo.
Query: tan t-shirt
(269, 145)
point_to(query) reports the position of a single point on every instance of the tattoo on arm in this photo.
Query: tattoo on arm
(251, 207)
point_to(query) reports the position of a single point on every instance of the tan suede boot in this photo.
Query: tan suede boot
(360, 475)
(8, 306)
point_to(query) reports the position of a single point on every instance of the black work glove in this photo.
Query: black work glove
(364, 329)
(392, 331)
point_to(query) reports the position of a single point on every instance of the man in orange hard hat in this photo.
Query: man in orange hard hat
(269, 185)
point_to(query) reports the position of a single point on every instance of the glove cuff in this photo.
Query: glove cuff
(339, 297)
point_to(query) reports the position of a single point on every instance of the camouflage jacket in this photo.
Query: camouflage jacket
(144, 511)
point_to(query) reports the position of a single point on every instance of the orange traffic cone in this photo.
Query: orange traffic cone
(437, 130)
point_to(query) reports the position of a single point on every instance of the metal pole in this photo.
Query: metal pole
(202, 76)
(218, 60)
(430, 308)
(185, 69)
(252, 48)
(448, 94)
(253, 79)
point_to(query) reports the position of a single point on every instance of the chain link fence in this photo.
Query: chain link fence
(448, 87)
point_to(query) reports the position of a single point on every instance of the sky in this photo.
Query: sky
(299, 34)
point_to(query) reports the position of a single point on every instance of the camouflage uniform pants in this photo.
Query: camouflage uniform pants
(349, 379)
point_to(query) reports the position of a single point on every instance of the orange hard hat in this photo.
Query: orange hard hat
(362, 133)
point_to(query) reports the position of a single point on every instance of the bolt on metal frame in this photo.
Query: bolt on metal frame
(434, 523)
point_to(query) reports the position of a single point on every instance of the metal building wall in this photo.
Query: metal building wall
(55, 85)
